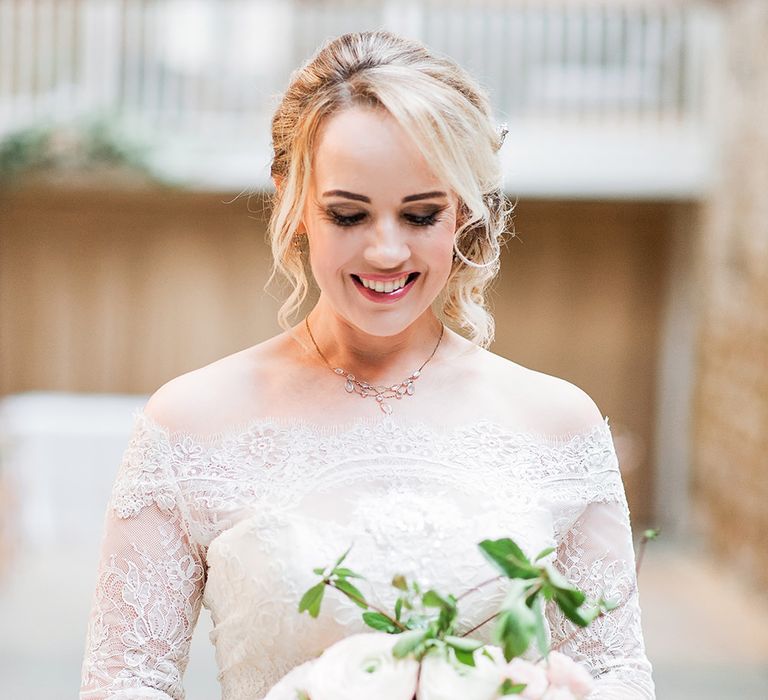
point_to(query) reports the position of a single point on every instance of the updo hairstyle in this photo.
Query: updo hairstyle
(449, 117)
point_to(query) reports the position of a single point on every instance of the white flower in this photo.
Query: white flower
(443, 679)
(558, 693)
(535, 678)
(564, 672)
(287, 687)
(362, 666)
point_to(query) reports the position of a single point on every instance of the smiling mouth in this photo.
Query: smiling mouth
(408, 282)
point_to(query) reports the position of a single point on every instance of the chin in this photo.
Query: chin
(380, 327)
(383, 324)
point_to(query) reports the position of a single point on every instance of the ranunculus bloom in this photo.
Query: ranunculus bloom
(296, 679)
(442, 679)
(362, 666)
(558, 693)
(564, 672)
(535, 678)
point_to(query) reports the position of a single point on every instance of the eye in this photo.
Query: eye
(426, 220)
(342, 220)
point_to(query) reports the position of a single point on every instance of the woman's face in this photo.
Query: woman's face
(377, 217)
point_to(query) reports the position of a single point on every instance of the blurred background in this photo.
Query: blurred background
(134, 163)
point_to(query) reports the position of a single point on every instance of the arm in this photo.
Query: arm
(149, 583)
(597, 556)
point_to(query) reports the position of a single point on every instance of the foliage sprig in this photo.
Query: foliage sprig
(427, 619)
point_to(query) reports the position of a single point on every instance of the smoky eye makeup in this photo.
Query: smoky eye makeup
(423, 217)
(340, 219)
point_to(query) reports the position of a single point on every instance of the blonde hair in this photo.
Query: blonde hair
(449, 117)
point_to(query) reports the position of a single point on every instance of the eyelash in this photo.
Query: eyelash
(344, 221)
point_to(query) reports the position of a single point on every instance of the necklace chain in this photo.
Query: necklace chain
(380, 392)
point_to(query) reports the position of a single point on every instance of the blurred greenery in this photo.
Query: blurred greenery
(90, 145)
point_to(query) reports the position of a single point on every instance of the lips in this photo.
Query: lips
(385, 297)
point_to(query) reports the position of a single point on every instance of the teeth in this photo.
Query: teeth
(379, 286)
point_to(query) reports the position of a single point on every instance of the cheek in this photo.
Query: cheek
(440, 251)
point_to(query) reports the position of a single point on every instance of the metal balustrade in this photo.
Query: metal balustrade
(602, 97)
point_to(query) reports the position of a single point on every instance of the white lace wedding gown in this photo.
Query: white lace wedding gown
(237, 521)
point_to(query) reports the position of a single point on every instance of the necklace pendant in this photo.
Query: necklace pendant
(385, 407)
(349, 385)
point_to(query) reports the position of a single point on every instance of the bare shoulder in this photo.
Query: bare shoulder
(208, 399)
(542, 402)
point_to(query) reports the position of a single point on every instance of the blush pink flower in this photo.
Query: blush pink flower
(558, 693)
(564, 672)
(535, 678)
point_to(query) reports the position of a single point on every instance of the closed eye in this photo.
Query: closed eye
(353, 219)
(341, 220)
(427, 220)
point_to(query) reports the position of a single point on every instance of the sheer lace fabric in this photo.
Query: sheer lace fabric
(237, 521)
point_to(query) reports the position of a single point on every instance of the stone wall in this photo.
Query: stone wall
(730, 437)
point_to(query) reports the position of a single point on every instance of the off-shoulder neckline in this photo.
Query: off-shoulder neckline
(236, 430)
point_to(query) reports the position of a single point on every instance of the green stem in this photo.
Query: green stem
(487, 619)
(395, 622)
(479, 586)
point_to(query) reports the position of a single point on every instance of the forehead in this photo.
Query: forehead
(365, 150)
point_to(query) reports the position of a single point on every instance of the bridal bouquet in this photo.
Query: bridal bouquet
(416, 652)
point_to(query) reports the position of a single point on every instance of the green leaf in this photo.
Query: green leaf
(319, 570)
(465, 657)
(302, 695)
(311, 600)
(354, 594)
(407, 643)
(564, 588)
(510, 688)
(516, 625)
(378, 622)
(432, 599)
(509, 558)
(608, 605)
(544, 553)
(651, 534)
(573, 612)
(513, 632)
(589, 612)
(342, 557)
(346, 573)
(542, 640)
(399, 581)
(463, 643)
(398, 608)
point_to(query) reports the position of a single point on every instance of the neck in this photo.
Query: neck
(371, 357)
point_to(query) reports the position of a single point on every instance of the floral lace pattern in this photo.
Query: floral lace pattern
(236, 522)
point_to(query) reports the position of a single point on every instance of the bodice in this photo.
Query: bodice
(237, 522)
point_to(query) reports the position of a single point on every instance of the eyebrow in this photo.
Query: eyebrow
(363, 198)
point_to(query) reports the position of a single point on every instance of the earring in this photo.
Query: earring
(297, 245)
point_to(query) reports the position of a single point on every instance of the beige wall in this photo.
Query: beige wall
(118, 291)
(730, 458)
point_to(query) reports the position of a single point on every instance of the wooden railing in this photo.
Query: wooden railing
(202, 76)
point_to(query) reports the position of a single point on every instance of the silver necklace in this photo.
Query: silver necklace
(380, 392)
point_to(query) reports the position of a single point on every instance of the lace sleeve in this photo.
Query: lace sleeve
(597, 555)
(149, 582)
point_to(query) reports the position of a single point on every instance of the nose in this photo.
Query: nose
(388, 247)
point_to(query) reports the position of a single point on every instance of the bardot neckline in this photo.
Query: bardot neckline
(293, 423)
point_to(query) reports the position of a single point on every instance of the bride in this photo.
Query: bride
(371, 422)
